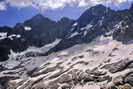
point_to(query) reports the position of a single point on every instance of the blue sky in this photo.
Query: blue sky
(13, 11)
(13, 15)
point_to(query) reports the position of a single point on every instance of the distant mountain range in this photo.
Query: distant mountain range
(39, 30)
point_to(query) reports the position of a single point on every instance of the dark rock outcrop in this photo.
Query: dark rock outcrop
(118, 66)
(96, 21)
(37, 31)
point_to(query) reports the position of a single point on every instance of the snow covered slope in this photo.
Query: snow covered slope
(102, 64)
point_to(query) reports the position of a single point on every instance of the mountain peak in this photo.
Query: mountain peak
(65, 19)
(38, 20)
(38, 17)
(99, 9)
(99, 6)
(93, 13)
(131, 6)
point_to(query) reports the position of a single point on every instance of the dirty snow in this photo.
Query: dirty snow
(27, 28)
(75, 24)
(14, 36)
(74, 34)
(3, 35)
(53, 43)
(87, 27)
(81, 57)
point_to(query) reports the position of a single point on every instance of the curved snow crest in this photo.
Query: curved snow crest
(32, 49)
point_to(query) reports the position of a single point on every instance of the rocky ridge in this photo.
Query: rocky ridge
(37, 32)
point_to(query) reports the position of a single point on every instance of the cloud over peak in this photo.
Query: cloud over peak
(2, 6)
(57, 4)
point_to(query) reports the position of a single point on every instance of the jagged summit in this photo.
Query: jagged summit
(96, 21)
(98, 7)
(38, 19)
(95, 13)
(38, 16)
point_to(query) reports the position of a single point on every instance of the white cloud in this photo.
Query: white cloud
(2, 6)
(20, 3)
(56, 4)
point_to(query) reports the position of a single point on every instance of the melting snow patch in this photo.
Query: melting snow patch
(101, 21)
(18, 36)
(72, 29)
(27, 28)
(14, 36)
(53, 43)
(3, 35)
(74, 34)
(85, 33)
(119, 25)
(87, 27)
(11, 36)
(75, 24)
